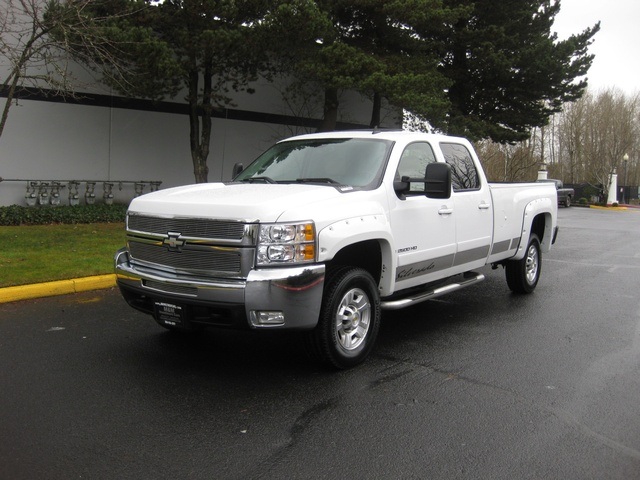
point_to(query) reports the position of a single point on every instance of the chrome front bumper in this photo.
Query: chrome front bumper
(283, 298)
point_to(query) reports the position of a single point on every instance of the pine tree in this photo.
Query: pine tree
(509, 72)
(206, 48)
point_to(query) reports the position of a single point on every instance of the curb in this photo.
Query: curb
(615, 209)
(62, 287)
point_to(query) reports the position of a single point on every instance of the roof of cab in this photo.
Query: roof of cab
(393, 135)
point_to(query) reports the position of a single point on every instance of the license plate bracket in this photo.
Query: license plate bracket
(169, 314)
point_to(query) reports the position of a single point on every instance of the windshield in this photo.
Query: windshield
(357, 162)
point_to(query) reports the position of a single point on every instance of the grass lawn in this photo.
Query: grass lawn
(42, 253)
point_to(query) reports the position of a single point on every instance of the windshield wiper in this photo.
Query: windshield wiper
(258, 179)
(330, 181)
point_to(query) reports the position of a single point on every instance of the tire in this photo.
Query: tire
(523, 275)
(349, 319)
(567, 201)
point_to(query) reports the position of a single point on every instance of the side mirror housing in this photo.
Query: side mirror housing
(438, 180)
(401, 186)
(237, 168)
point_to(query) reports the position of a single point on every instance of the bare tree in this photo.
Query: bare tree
(572, 128)
(509, 162)
(37, 40)
(28, 55)
(593, 134)
(585, 143)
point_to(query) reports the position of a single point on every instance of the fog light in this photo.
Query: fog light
(267, 318)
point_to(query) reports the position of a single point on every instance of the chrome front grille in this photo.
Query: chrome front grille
(171, 288)
(198, 259)
(187, 227)
(192, 246)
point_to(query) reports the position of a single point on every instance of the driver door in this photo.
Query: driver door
(424, 228)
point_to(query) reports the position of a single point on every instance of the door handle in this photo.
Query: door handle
(484, 206)
(445, 211)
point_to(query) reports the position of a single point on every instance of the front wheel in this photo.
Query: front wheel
(523, 275)
(349, 319)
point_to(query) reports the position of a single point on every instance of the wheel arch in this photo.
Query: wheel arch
(542, 226)
(539, 218)
(363, 242)
(372, 255)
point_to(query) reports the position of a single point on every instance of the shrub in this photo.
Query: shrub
(583, 201)
(99, 213)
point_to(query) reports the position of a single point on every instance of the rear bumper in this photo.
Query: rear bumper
(279, 298)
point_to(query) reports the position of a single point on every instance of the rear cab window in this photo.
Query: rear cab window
(464, 174)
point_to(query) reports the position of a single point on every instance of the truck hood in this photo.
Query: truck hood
(242, 202)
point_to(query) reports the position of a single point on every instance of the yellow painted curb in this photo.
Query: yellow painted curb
(62, 287)
(619, 209)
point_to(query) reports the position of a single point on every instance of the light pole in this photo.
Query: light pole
(624, 187)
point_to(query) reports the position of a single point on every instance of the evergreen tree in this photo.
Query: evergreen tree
(406, 72)
(508, 71)
(205, 48)
(468, 67)
(375, 48)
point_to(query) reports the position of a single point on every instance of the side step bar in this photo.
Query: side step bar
(470, 278)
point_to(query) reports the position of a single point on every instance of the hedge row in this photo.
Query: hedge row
(99, 213)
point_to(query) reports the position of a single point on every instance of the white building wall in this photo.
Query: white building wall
(54, 141)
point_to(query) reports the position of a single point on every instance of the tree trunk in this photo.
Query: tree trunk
(7, 105)
(200, 125)
(15, 74)
(331, 103)
(375, 112)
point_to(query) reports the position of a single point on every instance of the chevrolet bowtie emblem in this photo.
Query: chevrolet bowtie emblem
(174, 242)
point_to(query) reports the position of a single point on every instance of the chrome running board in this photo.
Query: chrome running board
(470, 278)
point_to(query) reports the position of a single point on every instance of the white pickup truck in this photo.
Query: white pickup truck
(323, 231)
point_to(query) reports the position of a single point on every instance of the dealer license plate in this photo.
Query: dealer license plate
(169, 314)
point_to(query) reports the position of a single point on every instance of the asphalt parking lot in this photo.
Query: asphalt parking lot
(479, 384)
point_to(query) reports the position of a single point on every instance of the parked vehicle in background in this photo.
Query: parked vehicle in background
(565, 195)
(324, 231)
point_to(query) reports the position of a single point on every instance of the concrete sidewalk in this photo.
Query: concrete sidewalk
(62, 287)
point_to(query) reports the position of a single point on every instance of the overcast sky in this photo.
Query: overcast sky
(617, 44)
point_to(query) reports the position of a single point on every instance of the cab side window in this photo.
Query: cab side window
(413, 163)
(464, 174)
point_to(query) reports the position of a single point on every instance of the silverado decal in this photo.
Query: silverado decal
(422, 268)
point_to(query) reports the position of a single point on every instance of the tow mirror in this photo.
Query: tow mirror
(438, 180)
(401, 186)
(237, 169)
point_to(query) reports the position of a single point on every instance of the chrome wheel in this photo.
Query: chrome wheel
(531, 264)
(353, 319)
(523, 274)
(349, 319)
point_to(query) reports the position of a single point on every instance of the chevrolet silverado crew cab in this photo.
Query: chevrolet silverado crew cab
(324, 231)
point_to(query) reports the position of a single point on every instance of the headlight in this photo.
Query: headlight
(287, 243)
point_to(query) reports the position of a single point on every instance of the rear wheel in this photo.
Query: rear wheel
(567, 202)
(523, 275)
(349, 319)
